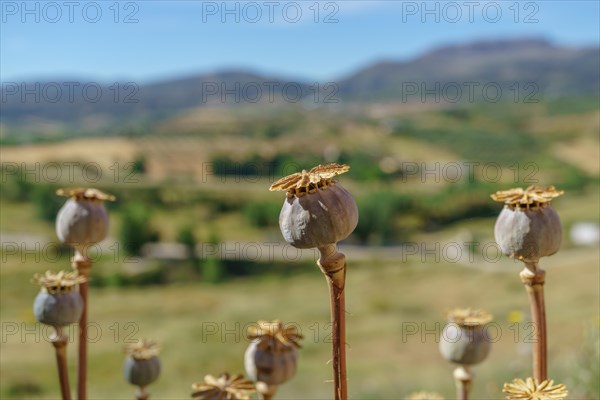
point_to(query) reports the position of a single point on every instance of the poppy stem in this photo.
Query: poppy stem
(266, 392)
(59, 341)
(82, 265)
(141, 394)
(463, 378)
(333, 264)
(533, 278)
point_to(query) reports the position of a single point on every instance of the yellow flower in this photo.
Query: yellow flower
(225, 387)
(532, 390)
(515, 316)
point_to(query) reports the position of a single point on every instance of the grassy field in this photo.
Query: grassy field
(200, 327)
(396, 305)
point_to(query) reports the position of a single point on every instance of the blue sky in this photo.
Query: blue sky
(152, 40)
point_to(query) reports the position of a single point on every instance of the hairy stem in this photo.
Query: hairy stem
(533, 278)
(333, 265)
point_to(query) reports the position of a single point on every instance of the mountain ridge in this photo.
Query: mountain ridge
(551, 70)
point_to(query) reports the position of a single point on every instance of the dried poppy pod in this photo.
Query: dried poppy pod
(225, 387)
(141, 366)
(83, 220)
(528, 227)
(531, 389)
(463, 340)
(317, 211)
(272, 356)
(58, 303)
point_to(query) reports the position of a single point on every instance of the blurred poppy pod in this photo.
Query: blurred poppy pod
(317, 210)
(463, 340)
(83, 220)
(225, 387)
(272, 356)
(142, 365)
(424, 396)
(58, 303)
(528, 227)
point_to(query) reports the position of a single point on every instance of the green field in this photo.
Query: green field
(200, 326)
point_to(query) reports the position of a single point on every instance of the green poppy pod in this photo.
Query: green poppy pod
(142, 365)
(58, 303)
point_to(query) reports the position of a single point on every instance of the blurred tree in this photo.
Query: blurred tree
(139, 164)
(46, 202)
(186, 237)
(136, 229)
(377, 215)
(262, 213)
(213, 269)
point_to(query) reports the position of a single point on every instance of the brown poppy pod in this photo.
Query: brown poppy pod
(272, 355)
(269, 364)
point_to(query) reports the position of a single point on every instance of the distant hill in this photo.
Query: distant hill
(50, 108)
(557, 71)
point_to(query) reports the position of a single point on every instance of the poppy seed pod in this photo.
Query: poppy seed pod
(464, 340)
(317, 211)
(272, 356)
(141, 366)
(528, 227)
(58, 303)
(83, 219)
(532, 389)
(225, 387)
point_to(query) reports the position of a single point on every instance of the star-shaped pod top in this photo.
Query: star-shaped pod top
(87, 194)
(60, 282)
(468, 317)
(530, 389)
(225, 387)
(533, 196)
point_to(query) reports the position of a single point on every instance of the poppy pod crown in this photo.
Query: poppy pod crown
(142, 350)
